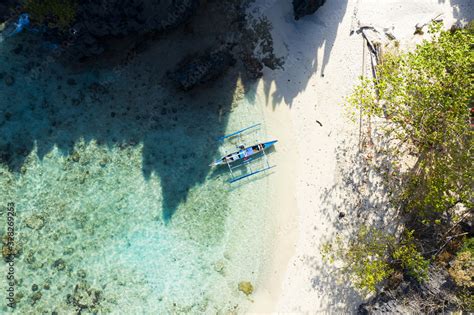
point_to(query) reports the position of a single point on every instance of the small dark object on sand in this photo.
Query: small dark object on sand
(341, 215)
(319, 123)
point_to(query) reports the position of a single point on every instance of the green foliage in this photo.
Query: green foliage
(371, 274)
(373, 256)
(364, 258)
(55, 13)
(468, 246)
(426, 95)
(410, 258)
(467, 299)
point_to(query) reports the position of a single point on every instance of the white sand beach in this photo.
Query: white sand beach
(318, 143)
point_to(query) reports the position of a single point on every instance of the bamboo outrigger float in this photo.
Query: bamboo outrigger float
(245, 155)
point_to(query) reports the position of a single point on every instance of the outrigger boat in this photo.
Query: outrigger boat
(246, 155)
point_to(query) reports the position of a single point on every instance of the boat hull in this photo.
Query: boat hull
(244, 153)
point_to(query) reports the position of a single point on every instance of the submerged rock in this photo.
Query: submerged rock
(246, 287)
(30, 258)
(36, 297)
(81, 273)
(6, 252)
(9, 80)
(306, 7)
(6, 9)
(84, 297)
(75, 156)
(71, 81)
(202, 69)
(219, 266)
(253, 66)
(18, 49)
(59, 264)
(96, 20)
(257, 48)
(10, 249)
(35, 222)
(18, 297)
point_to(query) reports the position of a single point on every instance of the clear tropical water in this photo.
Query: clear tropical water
(117, 209)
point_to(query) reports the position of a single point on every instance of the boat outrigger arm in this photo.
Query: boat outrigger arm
(246, 155)
(237, 132)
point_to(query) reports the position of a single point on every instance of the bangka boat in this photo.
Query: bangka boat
(245, 155)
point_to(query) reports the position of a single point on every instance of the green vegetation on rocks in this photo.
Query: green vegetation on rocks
(425, 98)
(373, 256)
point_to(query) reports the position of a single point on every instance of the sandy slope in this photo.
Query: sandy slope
(323, 61)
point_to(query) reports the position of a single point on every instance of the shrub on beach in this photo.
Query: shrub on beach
(374, 256)
(425, 97)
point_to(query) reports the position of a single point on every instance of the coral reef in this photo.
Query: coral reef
(202, 69)
(53, 13)
(35, 222)
(9, 80)
(85, 297)
(96, 21)
(99, 157)
(257, 48)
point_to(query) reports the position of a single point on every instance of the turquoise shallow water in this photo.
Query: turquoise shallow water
(117, 210)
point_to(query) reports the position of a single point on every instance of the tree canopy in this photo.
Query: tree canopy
(425, 97)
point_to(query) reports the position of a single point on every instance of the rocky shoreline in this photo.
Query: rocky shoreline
(97, 26)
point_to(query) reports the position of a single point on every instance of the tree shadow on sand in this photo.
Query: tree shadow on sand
(360, 197)
(300, 65)
(131, 101)
(463, 10)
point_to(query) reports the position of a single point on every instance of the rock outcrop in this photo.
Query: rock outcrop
(246, 287)
(306, 7)
(6, 10)
(96, 20)
(436, 295)
(85, 298)
(202, 69)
